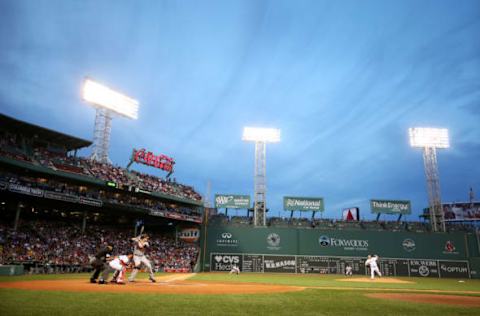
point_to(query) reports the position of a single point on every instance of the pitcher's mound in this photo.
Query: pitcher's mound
(376, 280)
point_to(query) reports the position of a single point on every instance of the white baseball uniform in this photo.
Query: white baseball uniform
(372, 262)
(118, 264)
(235, 269)
(348, 270)
(139, 258)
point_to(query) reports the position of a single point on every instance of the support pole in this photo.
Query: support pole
(437, 220)
(176, 236)
(84, 222)
(17, 216)
(101, 135)
(260, 184)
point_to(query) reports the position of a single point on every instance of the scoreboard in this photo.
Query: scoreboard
(336, 265)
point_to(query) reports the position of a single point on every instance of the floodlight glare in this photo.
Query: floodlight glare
(270, 135)
(429, 137)
(105, 97)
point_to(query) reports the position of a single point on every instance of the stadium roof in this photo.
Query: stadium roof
(20, 127)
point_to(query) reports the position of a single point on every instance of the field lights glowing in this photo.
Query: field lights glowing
(429, 137)
(270, 135)
(103, 96)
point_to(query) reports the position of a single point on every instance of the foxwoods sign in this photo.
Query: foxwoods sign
(390, 207)
(346, 244)
(291, 203)
(232, 201)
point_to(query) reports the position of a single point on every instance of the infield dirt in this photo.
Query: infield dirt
(170, 286)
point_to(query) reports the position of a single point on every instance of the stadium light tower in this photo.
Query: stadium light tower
(107, 103)
(430, 139)
(261, 136)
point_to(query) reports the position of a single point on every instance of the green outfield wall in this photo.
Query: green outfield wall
(328, 251)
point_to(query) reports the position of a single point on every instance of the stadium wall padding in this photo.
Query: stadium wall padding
(316, 242)
(294, 248)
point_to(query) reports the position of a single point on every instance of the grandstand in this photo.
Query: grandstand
(57, 208)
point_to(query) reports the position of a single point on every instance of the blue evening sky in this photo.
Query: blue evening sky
(343, 80)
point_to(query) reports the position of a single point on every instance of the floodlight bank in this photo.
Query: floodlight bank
(429, 137)
(256, 134)
(105, 97)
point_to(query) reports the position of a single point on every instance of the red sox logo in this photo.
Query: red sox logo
(449, 247)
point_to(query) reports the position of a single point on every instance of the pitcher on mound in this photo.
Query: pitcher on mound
(139, 257)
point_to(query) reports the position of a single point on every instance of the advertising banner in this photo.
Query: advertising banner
(461, 211)
(61, 197)
(279, 264)
(292, 203)
(90, 201)
(22, 189)
(454, 269)
(224, 262)
(190, 235)
(232, 201)
(390, 207)
(424, 268)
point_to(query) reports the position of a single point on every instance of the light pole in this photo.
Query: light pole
(107, 103)
(430, 139)
(261, 136)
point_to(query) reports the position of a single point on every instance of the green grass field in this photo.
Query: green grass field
(324, 295)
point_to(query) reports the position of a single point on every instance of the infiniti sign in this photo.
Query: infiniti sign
(226, 236)
(226, 239)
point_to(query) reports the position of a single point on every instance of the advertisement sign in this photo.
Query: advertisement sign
(232, 201)
(279, 264)
(461, 211)
(224, 262)
(454, 269)
(62, 197)
(292, 203)
(17, 188)
(190, 235)
(90, 201)
(424, 268)
(351, 214)
(390, 207)
(150, 159)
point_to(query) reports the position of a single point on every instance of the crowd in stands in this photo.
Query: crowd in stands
(14, 147)
(61, 244)
(126, 199)
(332, 224)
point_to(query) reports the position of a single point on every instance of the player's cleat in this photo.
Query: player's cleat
(113, 281)
(101, 281)
(93, 281)
(152, 280)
